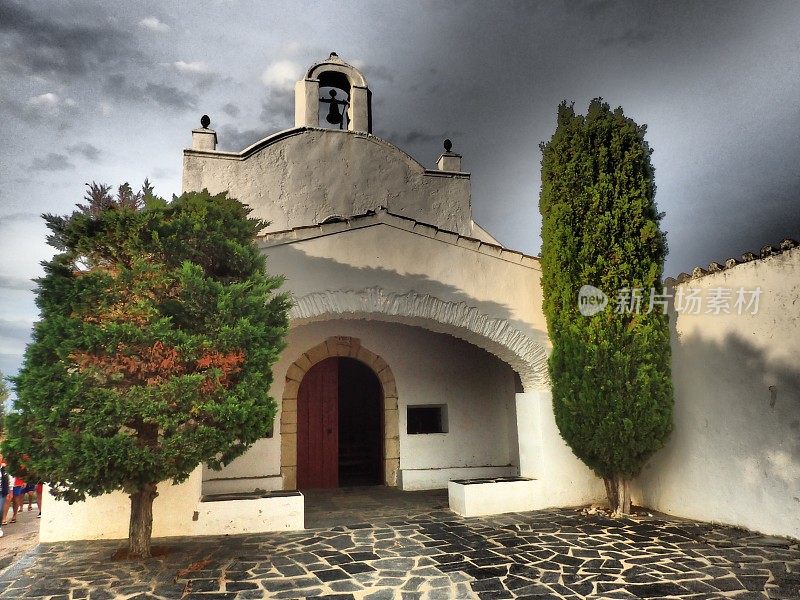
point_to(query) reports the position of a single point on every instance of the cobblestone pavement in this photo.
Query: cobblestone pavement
(19, 537)
(545, 554)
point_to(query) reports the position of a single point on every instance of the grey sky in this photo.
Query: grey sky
(109, 91)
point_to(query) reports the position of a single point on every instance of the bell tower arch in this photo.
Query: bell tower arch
(335, 73)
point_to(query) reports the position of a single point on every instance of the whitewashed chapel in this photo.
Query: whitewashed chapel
(417, 352)
(413, 329)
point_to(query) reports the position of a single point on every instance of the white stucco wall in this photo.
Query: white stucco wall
(177, 511)
(563, 479)
(304, 175)
(399, 260)
(734, 454)
(429, 368)
(486, 295)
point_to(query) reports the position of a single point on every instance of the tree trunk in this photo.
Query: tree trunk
(618, 492)
(626, 496)
(612, 493)
(141, 525)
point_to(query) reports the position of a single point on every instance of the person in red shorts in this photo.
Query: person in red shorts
(14, 500)
(20, 487)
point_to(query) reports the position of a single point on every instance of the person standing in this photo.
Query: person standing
(4, 489)
(30, 494)
(39, 490)
(19, 496)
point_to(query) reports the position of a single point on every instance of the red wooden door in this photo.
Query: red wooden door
(318, 426)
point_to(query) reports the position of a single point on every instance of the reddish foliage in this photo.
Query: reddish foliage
(155, 364)
(228, 363)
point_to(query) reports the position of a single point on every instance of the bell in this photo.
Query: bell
(334, 115)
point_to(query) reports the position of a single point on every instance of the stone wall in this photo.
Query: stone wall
(734, 454)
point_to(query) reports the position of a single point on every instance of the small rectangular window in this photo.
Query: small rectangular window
(427, 418)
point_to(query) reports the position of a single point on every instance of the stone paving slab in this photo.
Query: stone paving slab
(553, 554)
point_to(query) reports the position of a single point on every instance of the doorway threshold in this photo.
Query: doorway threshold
(368, 505)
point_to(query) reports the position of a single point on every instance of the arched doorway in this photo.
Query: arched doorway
(342, 346)
(339, 425)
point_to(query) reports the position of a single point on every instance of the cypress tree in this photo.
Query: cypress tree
(610, 372)
(159, 326)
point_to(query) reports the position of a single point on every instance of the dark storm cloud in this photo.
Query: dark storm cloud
(230, 109)
(233, 139)
(417, 136)
(717, 83)
(16, 283)
(630, 38)
(162, 173)
(277, 111)
(594, 8)
(48, 107)
(86, 150)
(19, 110)
(414, 137)
(118, 87)
(170, 96)
(709, 78)
(54, 46)
(52, 161)
(10, 363)
(20, 217)
(378, 72)
(18, 330)
(196, 73)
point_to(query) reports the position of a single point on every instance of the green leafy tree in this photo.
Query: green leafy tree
(159, 326)
(610, 372)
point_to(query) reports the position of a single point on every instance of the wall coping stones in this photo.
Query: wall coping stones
(786, 245)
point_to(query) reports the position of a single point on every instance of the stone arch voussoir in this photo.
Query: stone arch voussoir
(349, 347)
(525, 355)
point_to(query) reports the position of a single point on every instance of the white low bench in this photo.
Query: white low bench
(494, 496)
(227, 514)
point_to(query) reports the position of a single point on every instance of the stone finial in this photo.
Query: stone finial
(769, 250)
(669, 281)
(683, 277)
(449, 160)
(731, 262)
(748, 256)
(788, 244)
(204, 138)
(698, 272)
(714, 267)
